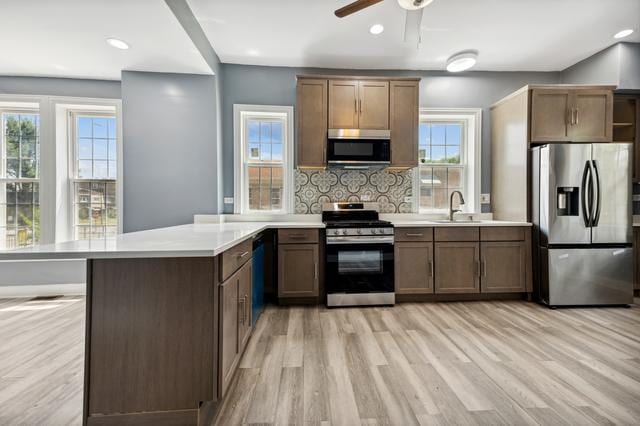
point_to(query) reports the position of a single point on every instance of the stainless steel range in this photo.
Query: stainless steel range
(359, 255)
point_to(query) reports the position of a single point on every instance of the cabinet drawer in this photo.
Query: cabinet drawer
(502, 234)
(297, 236)
(234, 258)
(414, 234)
(457, 234)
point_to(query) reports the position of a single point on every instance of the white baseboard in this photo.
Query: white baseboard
(42, 290)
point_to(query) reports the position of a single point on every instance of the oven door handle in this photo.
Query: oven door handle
(360, 240)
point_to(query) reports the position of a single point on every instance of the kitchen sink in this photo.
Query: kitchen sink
(456, 221)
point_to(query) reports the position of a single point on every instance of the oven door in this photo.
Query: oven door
(359, 268)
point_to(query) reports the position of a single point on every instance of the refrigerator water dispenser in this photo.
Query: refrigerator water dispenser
(568, 201)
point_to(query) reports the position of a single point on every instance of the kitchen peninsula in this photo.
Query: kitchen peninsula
(168, 310)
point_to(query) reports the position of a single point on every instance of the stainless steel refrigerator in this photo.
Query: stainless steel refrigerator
(581, 210)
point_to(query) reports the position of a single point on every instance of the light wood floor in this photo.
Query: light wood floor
(454, 363)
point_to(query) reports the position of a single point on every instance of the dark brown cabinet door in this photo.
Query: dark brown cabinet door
(244, 306)
(312, 122)
(373, 105)
(298, 269)
(457, 267)
(228, 330)
(550, 115)
(403, 123)
(503, 267)
(636, 249)
(592, 116)
(343, 104)
(414, 267)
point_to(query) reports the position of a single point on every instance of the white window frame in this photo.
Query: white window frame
(241, 113)
(72, 115)
(470, 155)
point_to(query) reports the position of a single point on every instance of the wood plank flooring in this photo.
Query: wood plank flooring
(485, 363)
(489, 363)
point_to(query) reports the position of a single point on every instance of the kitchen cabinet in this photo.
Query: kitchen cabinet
(404, 123)
(457, 267)
(503, 267)
(571, 115)
(358, 104)
(235, 320)
(414, 268)
(626, 128)
(312, 112)
(343, 104)
(373, 105)
(298, 263)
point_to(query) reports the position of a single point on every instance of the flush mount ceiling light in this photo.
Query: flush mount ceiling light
(117, 43)
(623, 33)
(462, 61)
(376, 29)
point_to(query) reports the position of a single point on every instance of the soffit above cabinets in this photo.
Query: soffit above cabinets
(67, 38)
(532, 35)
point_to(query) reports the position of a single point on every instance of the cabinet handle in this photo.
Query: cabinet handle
(360, 106)
(355, 105)
(577, 116)
(240, 256)
(296, 235)
(478, 268)
(484, 268)
(413, 235)
(431, 268)
(241, 310)
(315, 270)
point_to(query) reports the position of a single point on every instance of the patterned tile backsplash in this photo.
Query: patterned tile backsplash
(388, 188)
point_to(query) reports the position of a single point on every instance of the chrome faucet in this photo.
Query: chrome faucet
(451, 209)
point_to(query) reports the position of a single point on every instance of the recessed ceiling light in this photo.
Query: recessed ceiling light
(623, 33)
(117, 43)
(376, 29)
(462, 61)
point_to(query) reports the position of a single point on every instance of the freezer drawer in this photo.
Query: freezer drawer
(589, 276)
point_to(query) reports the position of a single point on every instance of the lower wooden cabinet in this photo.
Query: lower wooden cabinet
(298, 270)
(414, 268)
(636, 249)
(235, 322)
(503, 267)
(457, 267)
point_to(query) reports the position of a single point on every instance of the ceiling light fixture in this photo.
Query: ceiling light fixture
(376, 29)
(623, 33)
(462, 61)
(117, 43)
(414, 4)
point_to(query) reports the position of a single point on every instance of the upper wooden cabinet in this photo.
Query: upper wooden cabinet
(403, 122)
(343, 104)
(571, 115)
(358, 104)
(626, 126)
(312, 113)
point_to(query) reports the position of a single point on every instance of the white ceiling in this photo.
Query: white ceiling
(66, 38)
(510, 35)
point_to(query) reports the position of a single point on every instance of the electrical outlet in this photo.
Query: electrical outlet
(228, 200)
(485, 198)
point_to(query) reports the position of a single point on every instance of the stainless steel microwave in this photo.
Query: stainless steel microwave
(358, 148)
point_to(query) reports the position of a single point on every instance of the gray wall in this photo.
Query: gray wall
(600, 68)
(48, 86)
(169, 138)
(630, 66)
(245, 84)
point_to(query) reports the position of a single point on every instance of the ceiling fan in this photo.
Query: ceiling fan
(413, 20)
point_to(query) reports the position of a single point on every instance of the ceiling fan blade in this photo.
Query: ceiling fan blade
(412, 26)
(355, 7)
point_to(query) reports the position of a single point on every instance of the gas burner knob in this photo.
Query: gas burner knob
(344, 232)
(359, 231)
(374, 231)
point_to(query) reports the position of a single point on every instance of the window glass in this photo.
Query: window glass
(19, 174)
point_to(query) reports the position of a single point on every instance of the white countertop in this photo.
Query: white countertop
(193, 240)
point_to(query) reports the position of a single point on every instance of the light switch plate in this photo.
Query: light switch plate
(228, 200)
(485, 198)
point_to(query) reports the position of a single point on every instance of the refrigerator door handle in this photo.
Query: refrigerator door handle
(586, 209)
(596, 208)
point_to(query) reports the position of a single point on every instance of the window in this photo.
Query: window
(94, 174)
(263, 159)
(448, 158)
(19, 178)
